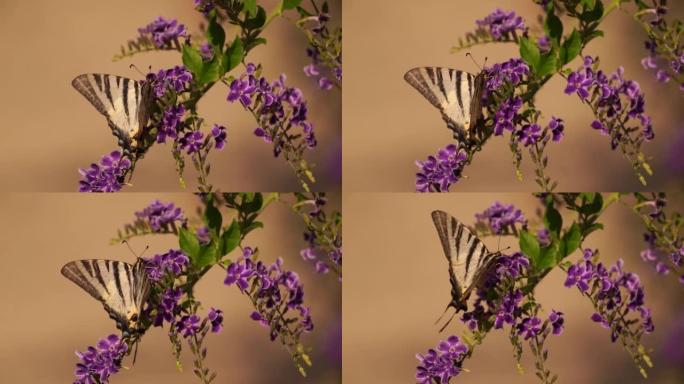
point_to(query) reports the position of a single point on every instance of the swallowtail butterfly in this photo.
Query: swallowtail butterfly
(122, 288)
(126, 104)
(470, 262)
(457, 94)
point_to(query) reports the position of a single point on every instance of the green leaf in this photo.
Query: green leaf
(206, 257)
(592, 12)
(233, 56)
(209, 72)
(212, 216)
(257, 20)
(250, 7)
(530, 53)
(253, 204)
(252, 226)
(553, 220)
(571, 47)
(530, 246)
(547, 64)
(571, 240)
(230, 239)
(192, 60)
(593, 204)
(189, 243)
(592, 228)
(553, 27)
(548, 257)
(215, 34)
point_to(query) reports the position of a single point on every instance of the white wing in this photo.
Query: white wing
(121, 287)
(467, 255)
(449, 90)
(124, 102)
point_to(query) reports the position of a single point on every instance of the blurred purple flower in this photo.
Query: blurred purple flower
(501, 217)
(220, 136)
(501, 24)
(506, 116)
(556, 319)
(529, 134)
(215, 317)
(530, 327)
(171, 118)
(163, 32)
(188, 325)
(191, 142)
(160, 215)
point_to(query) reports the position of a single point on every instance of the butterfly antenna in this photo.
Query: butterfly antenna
(135, 353)
(475, 62)
(132, 66)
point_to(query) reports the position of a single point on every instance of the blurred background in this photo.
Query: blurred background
(400, 285)
(388, 125)
(46, 317)
(50, 130)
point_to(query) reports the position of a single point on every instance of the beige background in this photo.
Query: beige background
(400, 285)
(49, 130)
(45, 317)
(388, 125)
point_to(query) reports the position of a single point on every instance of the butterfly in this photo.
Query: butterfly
(457, 94)
(470, 262)
(122, 288)
(127, 104)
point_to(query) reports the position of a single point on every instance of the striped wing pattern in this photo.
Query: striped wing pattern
(455, 93)
(121, 287)
(469, 259)
(124, 102)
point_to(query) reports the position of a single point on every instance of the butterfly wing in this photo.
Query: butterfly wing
(126, 104)
(121, 287)
(467, 255)
(451, 91)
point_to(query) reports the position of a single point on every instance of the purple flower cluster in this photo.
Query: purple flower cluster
(500, 218)
(439, 172)
(188, 325)
(164, 32)
(318, 49)
(176, 79)
(168, 306)
(500, 24)
(171, 119)
(278, 295)
(191, 142)
(172, 262)
(663, 263)
(279, 108)
(506, 116)
(97, 364)
(617, 101)
(513, 72)
(617, 293)
(107, 176)
(309, 254)
(204, 6)
(160, 215)
(443, 363)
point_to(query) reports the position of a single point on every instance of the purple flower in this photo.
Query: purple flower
(168, 307)
(204, 6)
(543, 236)
(215, 317)
(500, 217)
(509, 309)
(171, 118)
(159, 215)
(544, 44)
(171, 262)
(502, 23)
(580, 275)
(513, 72)
(310, 70)
(439, 172)
(163, 31)
(220, 136)
(206, 51)
(530, 327)
(97, 364)
(663, 76)
(443, 363)
(188, 325)
(239, 273)
(107, 176)
(279, 110)
(203, 235)
(191, 142)
(557, 127)
(556, 319)
(529, 134)
(176, 79)
(579, 83)
(507, 115)
(324, 83)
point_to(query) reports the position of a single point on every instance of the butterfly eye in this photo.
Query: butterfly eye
(134, 317)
